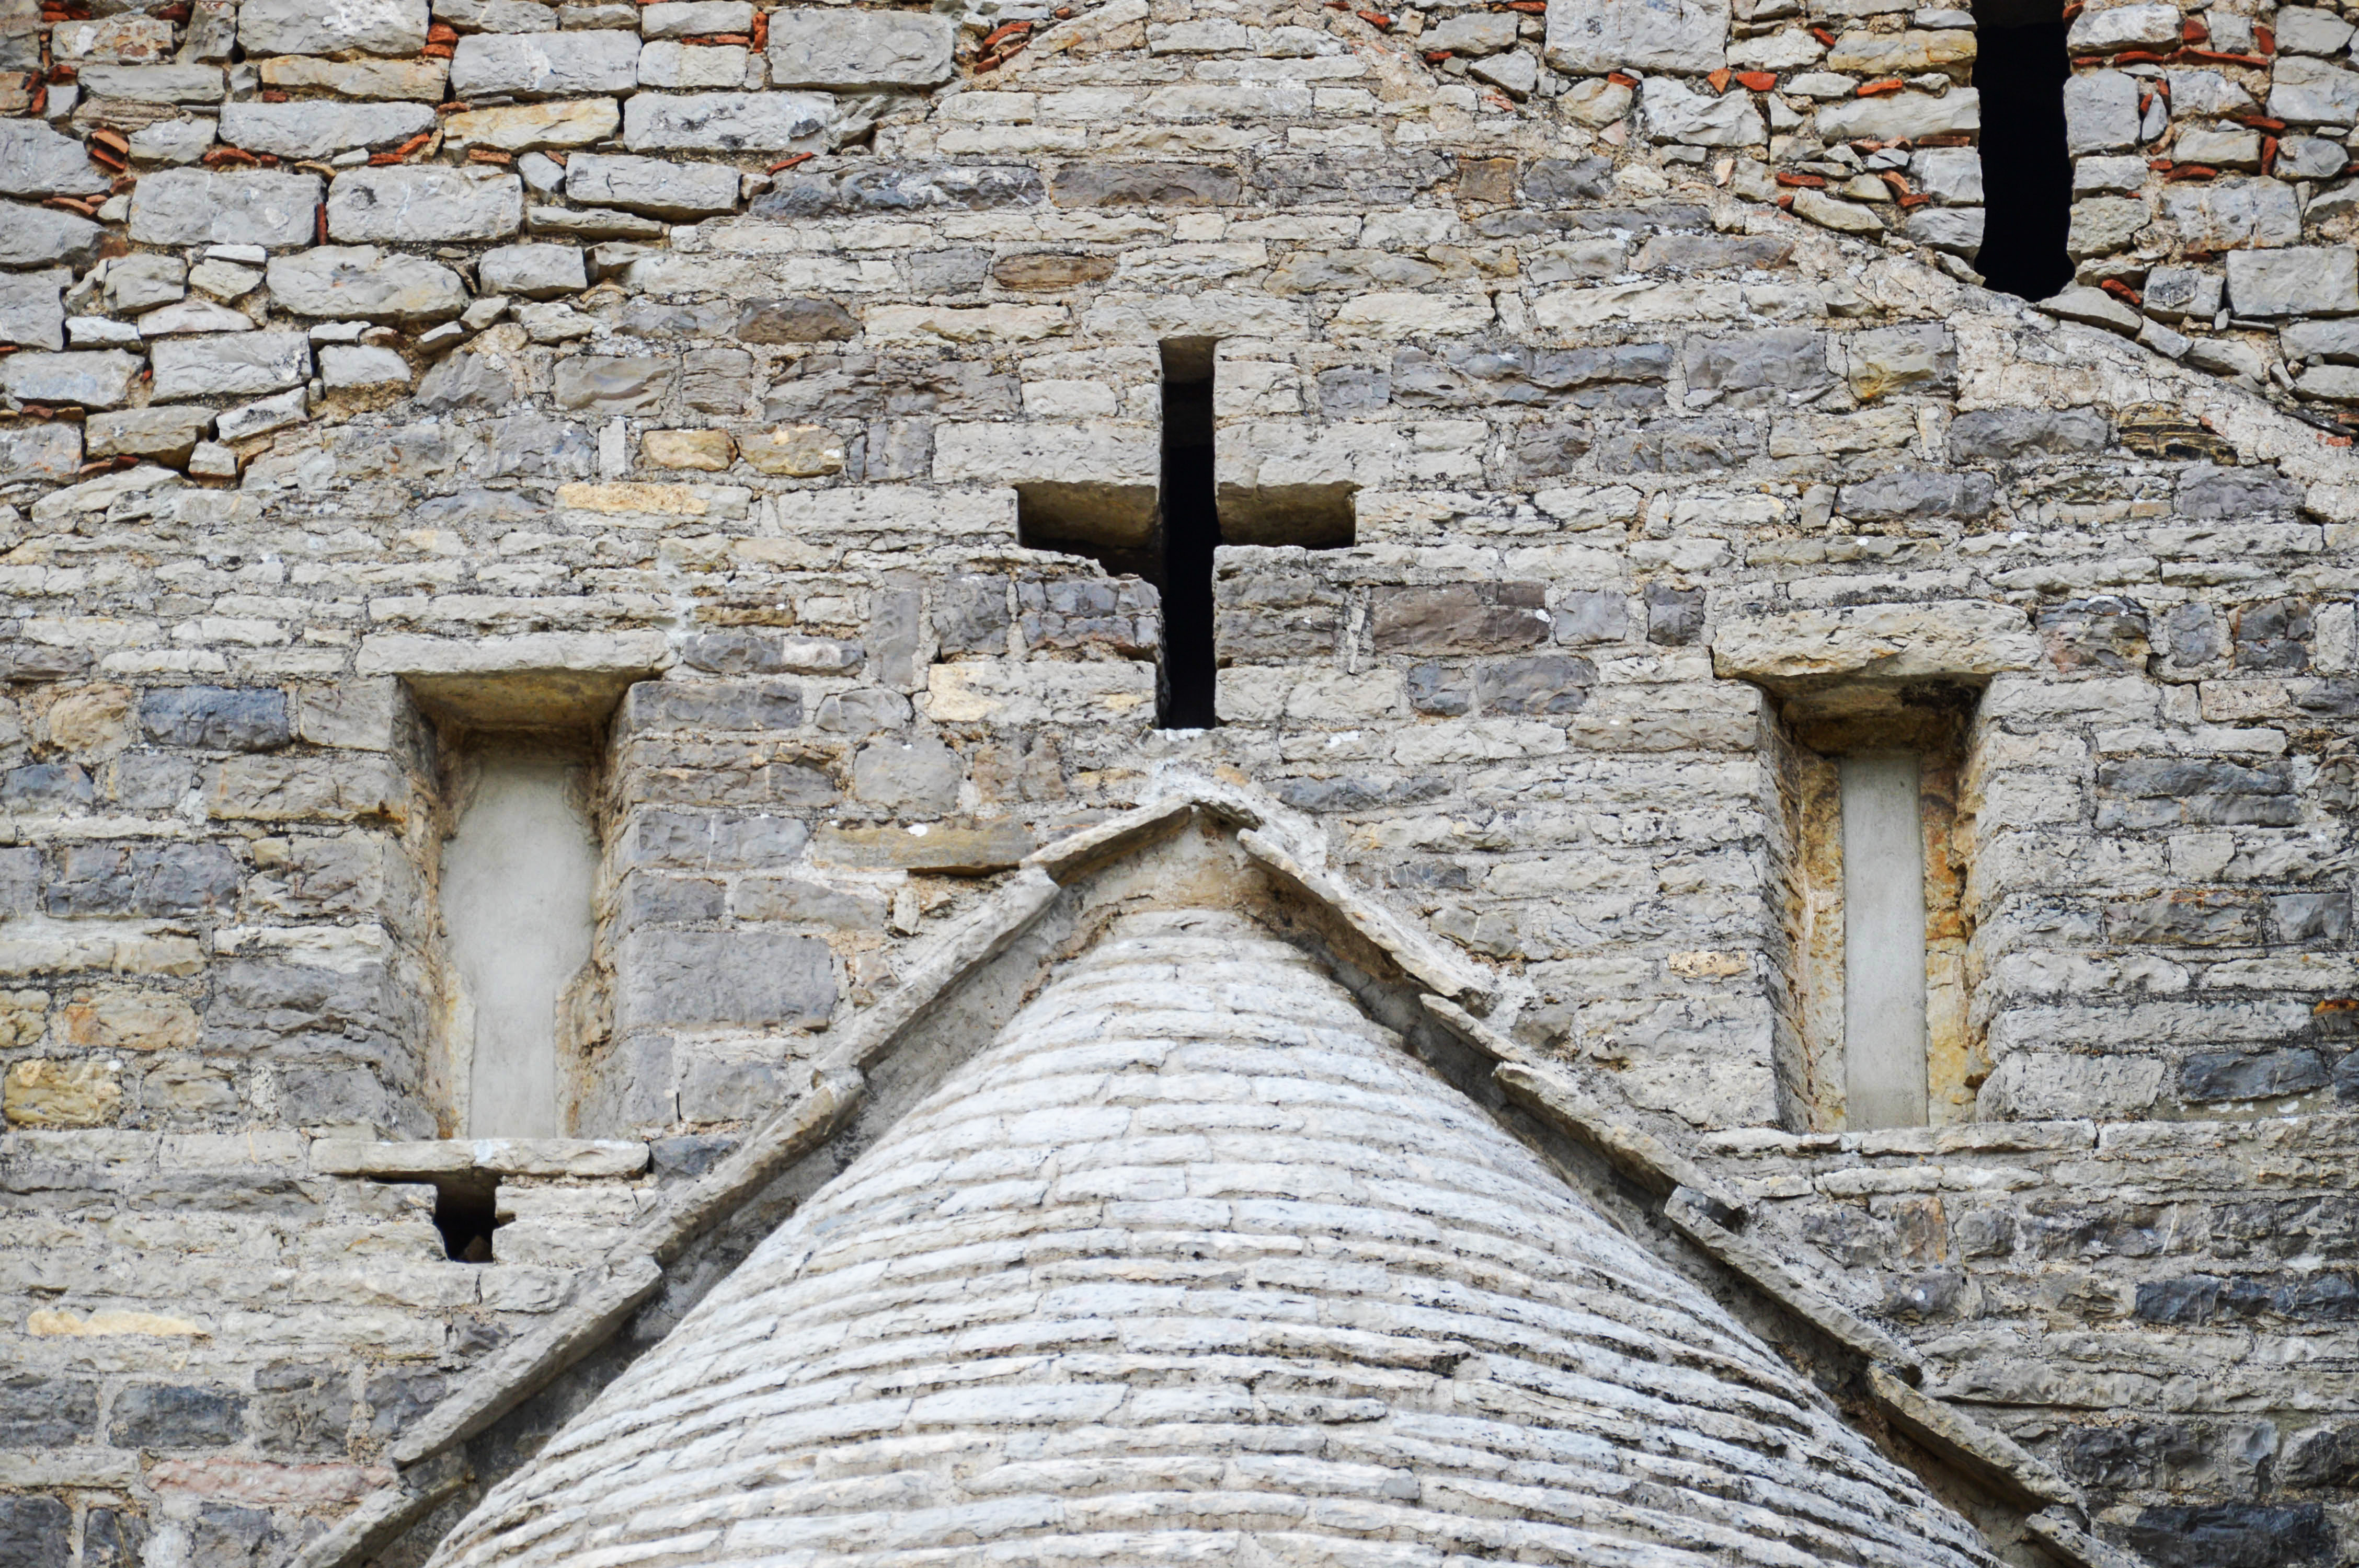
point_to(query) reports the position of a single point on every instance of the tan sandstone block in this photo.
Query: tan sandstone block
(708, 449)
(124, 1019)
(39, 1093)
(516, 128)
(54, 1323)
(798, 451)
(94, 722)
(23, 1016)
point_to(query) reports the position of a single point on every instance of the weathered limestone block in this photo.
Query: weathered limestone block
(2101, 113)
(361, 365)
(1902, 54)
(695, 18)
(318, 128)
(31, 314)
(753, 979)
(651, 185)
(797, 451)
(855, 51)
(1589, 38)
(244, 363)
(668, 64)
(2304, 91)
(408, 205)
(728, 122)
(36, 161)
(1673, 114)
(419, 79)
(2230, 215)
(99, 379)
(1900, 115)
(332, 26)
(39, 236)
(545, 65)
(200, 206)
(164, 433)
(39, 451)
(194, 85)
(1884, 641)
(535, 271)
(364, 284)
(2298, 280)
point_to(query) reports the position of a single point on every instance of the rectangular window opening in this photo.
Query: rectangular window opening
(517, 885)
(2020, 69)
(1191, 533)
(1877, 919)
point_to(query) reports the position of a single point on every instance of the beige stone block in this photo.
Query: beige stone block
(1889, 642)
(120, 1019)
(515, 127)
(39, 1093)
(708, 449)
(796, 451)
(92, 723)
(23, 1016)
(537, 678)
(57, 1323)
(648, 500)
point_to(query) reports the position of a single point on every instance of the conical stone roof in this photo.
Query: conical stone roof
(1193, 1264)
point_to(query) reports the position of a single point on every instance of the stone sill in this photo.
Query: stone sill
(486, 1156)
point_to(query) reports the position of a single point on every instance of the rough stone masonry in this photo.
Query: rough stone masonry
(759, 406)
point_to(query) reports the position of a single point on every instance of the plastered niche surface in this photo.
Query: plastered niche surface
(519, 878)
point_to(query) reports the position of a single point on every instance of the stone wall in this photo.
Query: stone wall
(718, 461)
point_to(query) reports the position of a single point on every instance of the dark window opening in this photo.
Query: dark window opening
(466, 1213)
(1191, 532)
(2020, 71)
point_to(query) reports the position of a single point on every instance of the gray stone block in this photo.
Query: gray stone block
(175, 1415)
(901, 188)
(320, 127)
(1754, 368)
(204, 207)
(36, 1532)
(806, 320)
(306, 27)
(1708, 445)
(857, 51)
(1538, 686)
(35, 160)
(166, 433)
(2101, 113)
(1908, 495)
(409, 204)
(749, 978)
(730, 122)
(1674, 615)
(2298, 280)
(534, 271)
(652, 185)
(615, 385)
(39, 1411)
(545, 65)
(1479, 617)
(1092, 183)
(32, 315)
(1589, 37)
(364, 284)
(41, 236)
(100, 379)
(2008, 435)
(239, 364)
(222, 718)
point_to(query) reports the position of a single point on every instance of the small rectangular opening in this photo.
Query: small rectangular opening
(519, 880)
(1876, 922)
(1191, 533)
(2020, 69)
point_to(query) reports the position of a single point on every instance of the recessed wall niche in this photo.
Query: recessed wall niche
(1874, 917)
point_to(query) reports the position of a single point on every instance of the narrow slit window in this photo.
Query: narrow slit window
(2020, 69)
(1191, 533)
(1884, 940)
